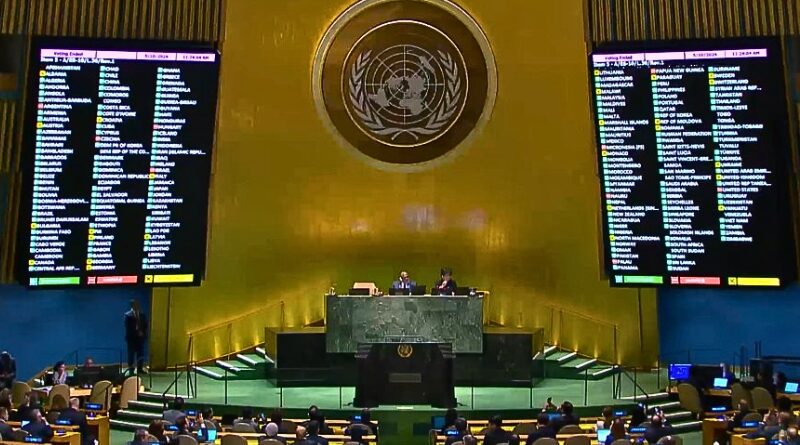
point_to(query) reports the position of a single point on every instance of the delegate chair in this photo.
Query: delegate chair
(243, 428)
(101, 393)
(752, 417)
(130, 391)
(232, 439)
(546, 441)
(288, 426)
(663, 440)
(524, 429)
(690, 398)
(186, 440)
(19, 435)
(578, 440)
(739, 392)
(762, 399)
(570, 429)
(59, 396)
(18, 391)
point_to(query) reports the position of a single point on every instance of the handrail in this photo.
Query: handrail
(581, 315)
(234, 319)
(634, 380)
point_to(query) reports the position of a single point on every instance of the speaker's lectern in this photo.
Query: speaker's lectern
(405, 373)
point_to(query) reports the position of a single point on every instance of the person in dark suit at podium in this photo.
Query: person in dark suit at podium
(135, 336)
(404, 282)
(445, 285)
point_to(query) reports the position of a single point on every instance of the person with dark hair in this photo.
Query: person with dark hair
(617, 431)
(276, 417)
(247, 418)
(608, 417)
(208, 414)
(780, 381)
(5, 428)
(784, 405)
(567, 417)
(461, 431)
(184, 428)
(470, 440)
(446, 285)
(8, 370)
(135, 336)
(30, 402)
(176, 412)
(38, 427)
(60, 373)
(364, 421)
(543, 429)
(638, 416)
(156, 429)
(656, 430)
(313, 436)
(450, 417)
(496, 434)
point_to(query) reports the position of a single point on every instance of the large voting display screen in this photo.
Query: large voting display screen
(118, 140)
(694, 152)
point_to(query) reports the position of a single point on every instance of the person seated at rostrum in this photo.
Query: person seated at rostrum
(38, 427)
(59, 373)
(543, 429)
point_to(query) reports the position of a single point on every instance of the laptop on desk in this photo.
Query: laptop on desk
(791, 388)
(720, 383)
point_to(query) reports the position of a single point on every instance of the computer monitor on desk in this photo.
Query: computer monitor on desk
(359, 291)
(720, 383)
(413, 290)
(87, 376)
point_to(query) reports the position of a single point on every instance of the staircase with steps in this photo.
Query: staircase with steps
(140, 412)
(570, 365)
(244, 366)
(680, 419)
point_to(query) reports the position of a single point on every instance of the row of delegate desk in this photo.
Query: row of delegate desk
(99, 427)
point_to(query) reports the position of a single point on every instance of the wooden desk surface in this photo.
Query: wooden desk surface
(290, 437)
(524, 437)
(739, 439)
(69, 438)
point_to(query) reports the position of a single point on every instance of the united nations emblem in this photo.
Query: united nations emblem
(404, 82)
(405, 350)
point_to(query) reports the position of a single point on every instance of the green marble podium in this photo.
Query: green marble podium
(350, 320)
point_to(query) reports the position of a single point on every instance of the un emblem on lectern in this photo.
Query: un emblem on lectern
(404, 82)
(405, 350)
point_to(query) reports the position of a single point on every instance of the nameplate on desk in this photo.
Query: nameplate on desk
(405, 377)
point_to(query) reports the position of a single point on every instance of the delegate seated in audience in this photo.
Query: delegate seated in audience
(30, 402)
(314, 413)
(767, 429)
(461, 431)
(567, 417)
(784, 405)
(742, 410)
(638, 416)
(247, 418)
(450, 417)
(184, 428)
(470, 440)
(176, 412)
(271, 430)
(608, 417)
(313, 436)
(656, 430)
(357, 435)
(5, 399)
(300, 435)
(38, 427)
(208, 414)
(792, 437)
(5, 428)
(765, 381)
(276, 417)
(156, 429)
(8, 370)
(543, 429)
(497, 434)
(617, 431)
(139, 437)
(366, 420)
(75, 416)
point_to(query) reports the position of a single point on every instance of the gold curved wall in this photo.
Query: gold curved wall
(293, 213)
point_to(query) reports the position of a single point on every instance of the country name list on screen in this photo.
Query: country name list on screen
(693, 145)
(117, 176)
